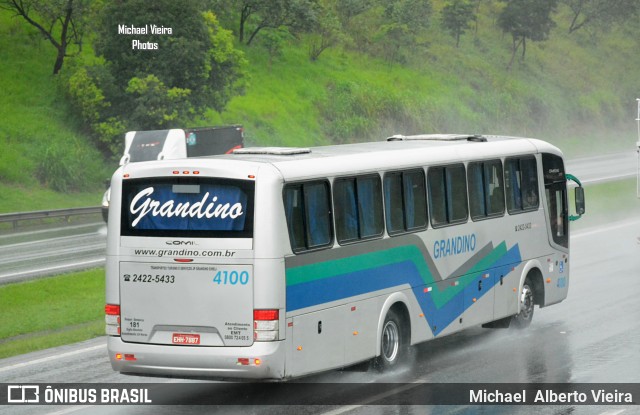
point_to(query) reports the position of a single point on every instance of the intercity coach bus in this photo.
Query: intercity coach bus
(271, 263)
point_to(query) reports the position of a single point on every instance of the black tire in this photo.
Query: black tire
(527, 302)
(393, 343)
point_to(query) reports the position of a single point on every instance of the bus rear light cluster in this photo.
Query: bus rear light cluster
(266, 325)
(112, 318)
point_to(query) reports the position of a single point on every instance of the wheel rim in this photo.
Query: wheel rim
(526, 309)
(390, 341)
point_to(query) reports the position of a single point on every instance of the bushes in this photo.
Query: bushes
(355, 111)
(63, 170)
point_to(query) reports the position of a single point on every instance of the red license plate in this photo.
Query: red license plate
(181, 338)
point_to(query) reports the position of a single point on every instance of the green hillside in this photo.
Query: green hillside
(575, 90)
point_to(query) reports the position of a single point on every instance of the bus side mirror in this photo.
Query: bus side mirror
(579, 197)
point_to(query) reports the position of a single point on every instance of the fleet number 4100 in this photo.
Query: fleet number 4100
(231, 278)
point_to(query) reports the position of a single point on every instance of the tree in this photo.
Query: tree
(403, 23)
(600, 13)
(327, 31)
(60, 22)
(256, 15)
(456, 16)
(526, 19)
(189, 64)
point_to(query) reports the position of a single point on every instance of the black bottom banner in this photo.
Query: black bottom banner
(295, 393)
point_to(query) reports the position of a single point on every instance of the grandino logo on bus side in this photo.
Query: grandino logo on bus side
(143, 204)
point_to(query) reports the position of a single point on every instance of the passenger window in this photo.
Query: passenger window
(308, 214)
(521, 183)
(358, 204)
(437, 197)
(405, 201)
(486, 191)
(447, 195)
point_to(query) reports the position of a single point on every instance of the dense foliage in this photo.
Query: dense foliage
(305, 72)
(192, 66)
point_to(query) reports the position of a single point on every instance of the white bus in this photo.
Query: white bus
(281, 262)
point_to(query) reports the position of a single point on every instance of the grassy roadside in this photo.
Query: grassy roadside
(51, 312)
(69, 308)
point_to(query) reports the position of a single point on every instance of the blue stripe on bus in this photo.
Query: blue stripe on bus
(351, 284)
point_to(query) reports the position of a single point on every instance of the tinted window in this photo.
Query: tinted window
(146, 145)
(437, 196)
(486, 191)
(308, 213)
(447, 195)
(358, 208)
(187, 207)
(405, 201)
(521, 183)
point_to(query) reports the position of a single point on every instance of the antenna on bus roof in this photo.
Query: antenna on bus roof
(438, 137)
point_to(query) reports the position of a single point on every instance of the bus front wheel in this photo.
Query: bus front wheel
(393, 345)
(527, 302)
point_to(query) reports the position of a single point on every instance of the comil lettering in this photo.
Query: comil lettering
(142, 204)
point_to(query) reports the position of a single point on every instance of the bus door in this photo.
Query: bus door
(555, 184)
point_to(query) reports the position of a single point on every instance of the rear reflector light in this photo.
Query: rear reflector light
(112, 319)
(266, 325)
(245, 361)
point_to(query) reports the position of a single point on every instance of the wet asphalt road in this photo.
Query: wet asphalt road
(592, 337)
(51, 250)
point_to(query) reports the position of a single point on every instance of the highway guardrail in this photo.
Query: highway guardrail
(15, 218)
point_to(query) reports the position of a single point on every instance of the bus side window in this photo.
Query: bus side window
(415, 199)
(494, 188)
(529, 183)
(358, 208)
(405, 201)
(447, 195)
(486, 194)
(346, 214)
(521, 179)
(437, 196)
(308, 214)
(393, 203)
(477, 203)
(318, 214)
(294, 215)
(370, 206)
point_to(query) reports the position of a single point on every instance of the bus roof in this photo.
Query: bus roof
(395, 153)
(398, 152)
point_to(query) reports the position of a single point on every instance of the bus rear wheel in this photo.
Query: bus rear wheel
(393, 345)
(527, 302)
